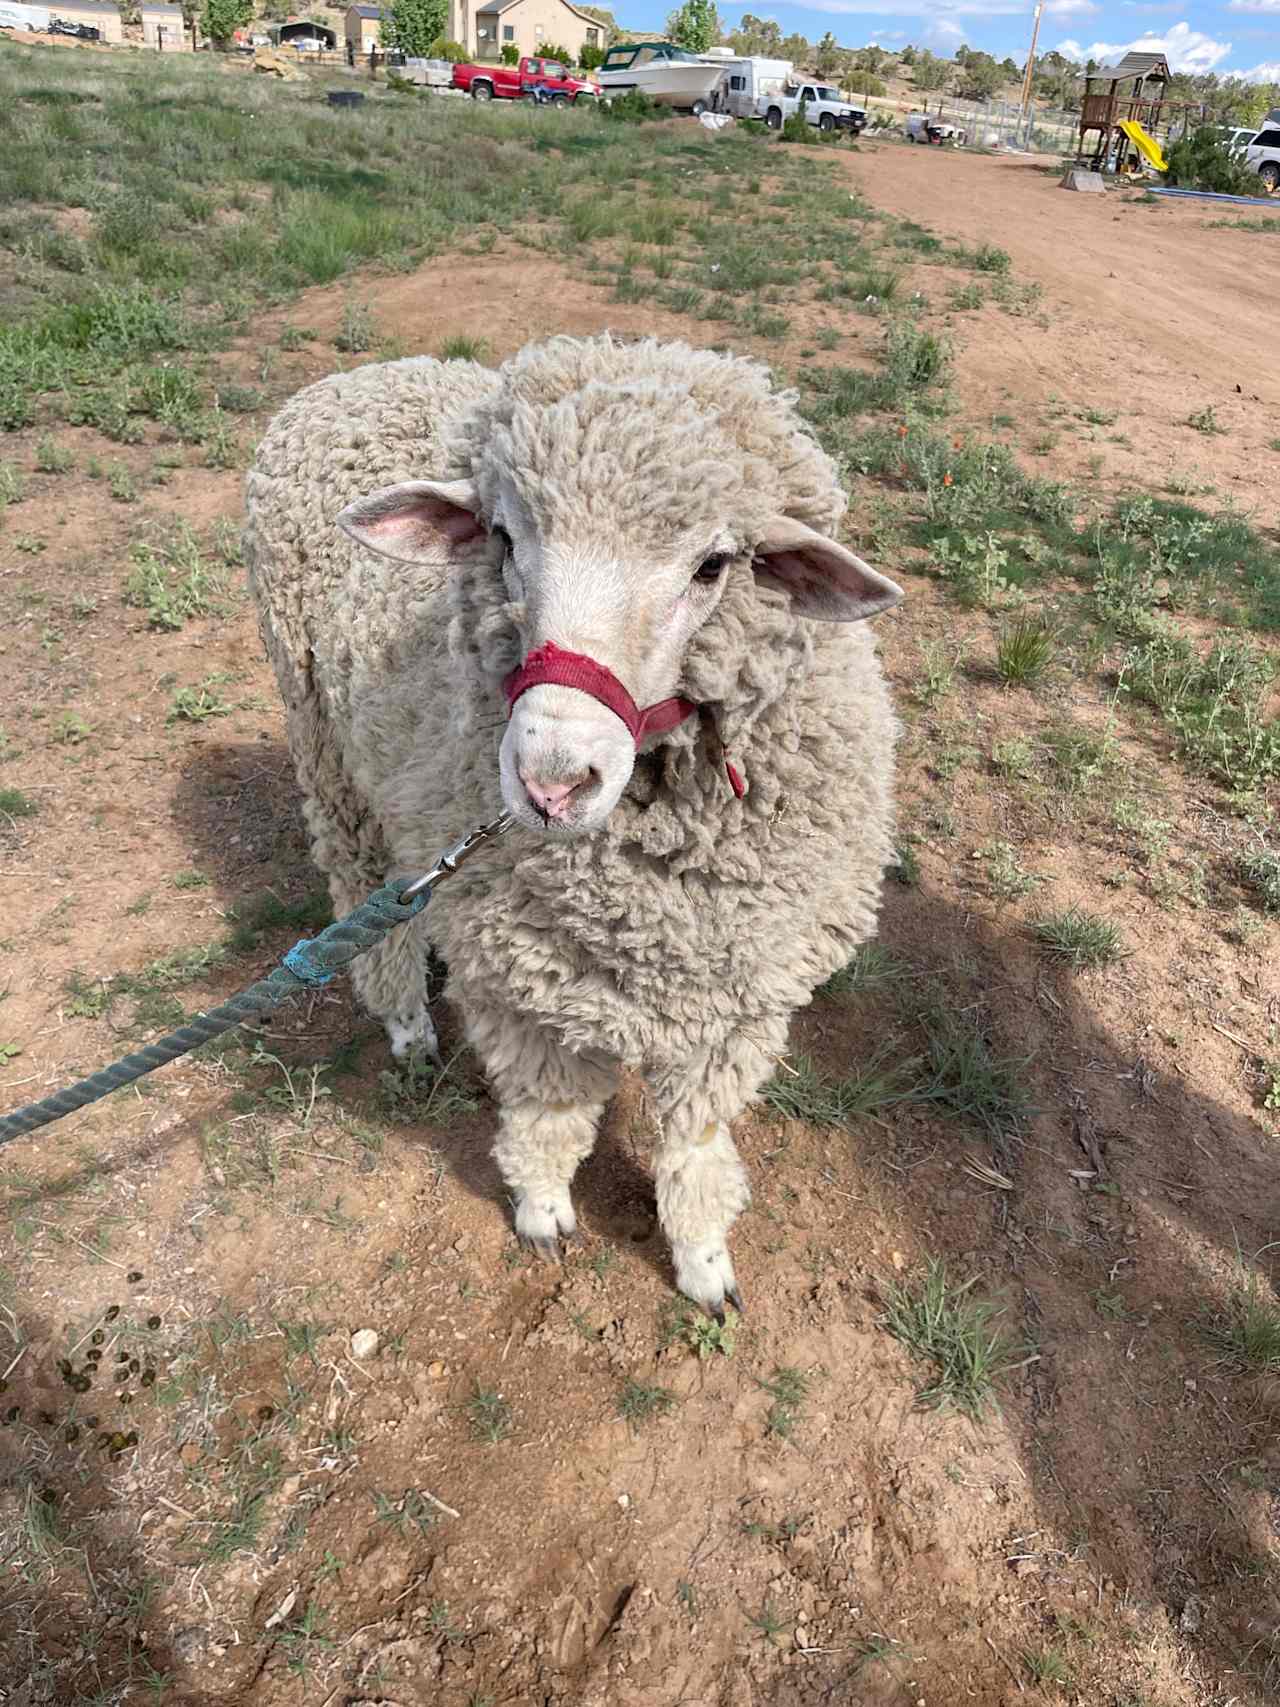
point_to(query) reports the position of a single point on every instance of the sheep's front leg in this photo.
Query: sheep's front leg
(550, 1104)
(701, 1182)
(702, 1189)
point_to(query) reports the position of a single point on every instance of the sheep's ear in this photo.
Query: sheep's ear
(420, 521)
(824, 580)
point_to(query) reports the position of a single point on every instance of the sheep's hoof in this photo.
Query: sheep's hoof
(542, 1221)
(413, 1033)
(546, 1250)
(704, 1272)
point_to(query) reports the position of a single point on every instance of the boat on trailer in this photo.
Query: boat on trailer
(669, 75)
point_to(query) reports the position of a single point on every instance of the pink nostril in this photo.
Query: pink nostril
(553, 797)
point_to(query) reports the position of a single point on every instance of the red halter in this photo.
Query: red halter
(552, 665)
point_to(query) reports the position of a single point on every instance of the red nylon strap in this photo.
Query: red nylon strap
(553, 666)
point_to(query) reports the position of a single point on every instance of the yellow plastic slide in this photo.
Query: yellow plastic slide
(1146, 144)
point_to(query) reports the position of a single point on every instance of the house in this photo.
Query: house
(164, 28)
(364, 28)
(101, 15)
(485, 27)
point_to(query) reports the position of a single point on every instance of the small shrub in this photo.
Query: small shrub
(1024, 651)
(986, 258)
(634, 107)
(1205, 161)
(1247, 1334)
(356, 330)
(238, 399)
(462, 348)
(15, 804)
(53, 458)
(1260, 869)
(1205, 420)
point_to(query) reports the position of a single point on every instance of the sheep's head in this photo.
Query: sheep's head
(620, 488)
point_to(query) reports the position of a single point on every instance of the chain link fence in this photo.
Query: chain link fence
(996, 124)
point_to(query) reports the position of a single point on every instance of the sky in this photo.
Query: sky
(1232, 37)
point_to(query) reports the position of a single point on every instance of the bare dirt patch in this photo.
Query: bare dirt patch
(465, 1515)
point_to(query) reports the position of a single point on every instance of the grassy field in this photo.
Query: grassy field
(1086, 675)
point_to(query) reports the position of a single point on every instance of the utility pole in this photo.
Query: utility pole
(1031, 59)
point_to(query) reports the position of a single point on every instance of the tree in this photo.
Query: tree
(829, 58)
(510, 54)
(696, 26)
(412, 26)
(980, 78)
(909, 55)
(222, 18)
(756, 36)
(795, 48)
(870, 58)
(930, 72)
(591, 57)
(553, 50)
(1009, 68)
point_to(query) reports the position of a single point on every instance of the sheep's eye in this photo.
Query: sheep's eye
(503, 538)
(713, 567)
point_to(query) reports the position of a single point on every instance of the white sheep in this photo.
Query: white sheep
(641, 520)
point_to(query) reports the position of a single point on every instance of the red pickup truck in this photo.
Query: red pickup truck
(509, 82)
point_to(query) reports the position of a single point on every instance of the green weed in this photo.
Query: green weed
(53, 458)
(1024, 651)
(1247, 1333)
(799, 1092)
(172, 581)
(490, 1415)
(788, 1389)
(15, 804)
(1083, 940)
(638, 1402)
(963, 1078)
(462, 348)
(956, 1333)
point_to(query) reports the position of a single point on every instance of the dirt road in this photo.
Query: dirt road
(1156, 309)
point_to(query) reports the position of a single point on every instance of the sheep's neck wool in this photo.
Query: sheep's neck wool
(555, 666)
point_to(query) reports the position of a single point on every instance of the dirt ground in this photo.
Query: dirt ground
(297, 1524)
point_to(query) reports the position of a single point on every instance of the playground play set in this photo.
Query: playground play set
(1125, 106)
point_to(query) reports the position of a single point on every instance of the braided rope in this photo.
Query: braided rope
(308, 964)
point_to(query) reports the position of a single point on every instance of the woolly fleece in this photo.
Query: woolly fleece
(680, 937)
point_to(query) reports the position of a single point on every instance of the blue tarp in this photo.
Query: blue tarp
(1259, 202)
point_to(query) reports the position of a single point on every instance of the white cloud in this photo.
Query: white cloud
(1269, 72)
(1186, 49)
(1071, 8)
(1253, 5)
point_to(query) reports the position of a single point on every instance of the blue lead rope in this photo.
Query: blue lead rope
(308, 965)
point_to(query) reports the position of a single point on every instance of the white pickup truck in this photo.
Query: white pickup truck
(822, 106)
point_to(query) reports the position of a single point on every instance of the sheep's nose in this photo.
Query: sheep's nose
(553, 798)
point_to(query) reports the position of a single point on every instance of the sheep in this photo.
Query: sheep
(594, 528)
